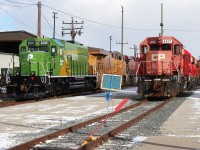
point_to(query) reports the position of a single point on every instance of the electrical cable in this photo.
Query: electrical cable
(50, 25)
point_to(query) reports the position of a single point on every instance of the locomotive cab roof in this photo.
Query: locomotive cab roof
(75, 42)
(98, 51)
(160, 40)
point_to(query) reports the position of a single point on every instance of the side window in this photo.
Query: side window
(61, 51)
(177, 49)
(53, 50)
(144, 49)
(23, 49)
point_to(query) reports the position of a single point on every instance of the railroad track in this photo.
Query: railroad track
(8, 103)
(72, 137)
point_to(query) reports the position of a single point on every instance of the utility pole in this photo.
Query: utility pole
(135, 50)
(73, 29)
(161, 24)
(122, 33)
(54, 24)
(39, 20)
(110, 42)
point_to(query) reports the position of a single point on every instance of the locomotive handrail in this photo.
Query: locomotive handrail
(8, 76)
(136, 74)
(177, 69)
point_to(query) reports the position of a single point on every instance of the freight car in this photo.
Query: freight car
(165, 68)
(51, 67)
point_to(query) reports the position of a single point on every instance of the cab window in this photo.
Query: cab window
(166, 47)
(43, 48)
(144, 49)
(33, 48)
(23, 49)
(120, 57)
(177, 49)
(53, 50)
(154, 47)
(61, 51)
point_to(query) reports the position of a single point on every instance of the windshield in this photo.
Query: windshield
(40, 48)
(163, 47)
(154, 47)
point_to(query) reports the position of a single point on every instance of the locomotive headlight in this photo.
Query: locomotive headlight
(17, 73)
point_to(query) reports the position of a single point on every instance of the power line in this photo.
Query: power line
(126, 28)
(183, 30)
(50, 24)
(80, 17)
(14, 5)
(16, 19)
(73, 29)
(19, 2)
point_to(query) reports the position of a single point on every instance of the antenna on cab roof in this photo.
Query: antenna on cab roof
(161, 24)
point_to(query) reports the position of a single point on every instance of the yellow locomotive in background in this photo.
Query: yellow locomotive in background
(105, 62)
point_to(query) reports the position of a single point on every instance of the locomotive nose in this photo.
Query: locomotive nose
(159, 63)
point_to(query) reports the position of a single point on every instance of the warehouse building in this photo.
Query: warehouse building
(9, 48)
(10, 40)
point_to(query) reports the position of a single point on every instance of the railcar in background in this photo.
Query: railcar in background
(131, 68)
(115, 63)
(198, 71)
(165, 68)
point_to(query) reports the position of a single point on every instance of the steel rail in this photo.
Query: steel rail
(119, 129)
(32, 143)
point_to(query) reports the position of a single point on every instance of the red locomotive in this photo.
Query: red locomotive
(165, 68)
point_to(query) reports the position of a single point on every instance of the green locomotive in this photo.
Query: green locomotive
(50, 67)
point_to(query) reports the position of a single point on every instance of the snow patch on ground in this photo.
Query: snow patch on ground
(6, 141)
(139, 139)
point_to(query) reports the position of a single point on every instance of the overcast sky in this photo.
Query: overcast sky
(102, 18)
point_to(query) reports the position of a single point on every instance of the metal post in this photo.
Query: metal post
(110, 42)
(161, 24)
(54, 24)
(135, 50)
(39, 19)
(122, 33)
(122, 40)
